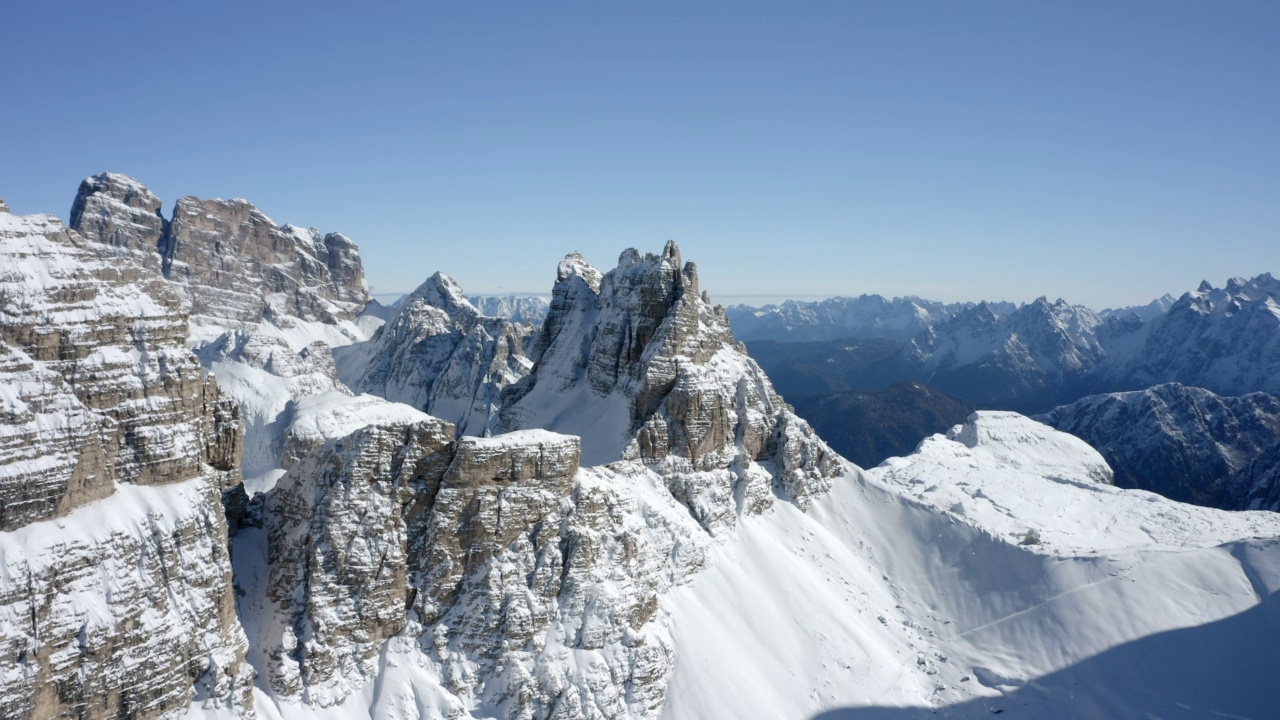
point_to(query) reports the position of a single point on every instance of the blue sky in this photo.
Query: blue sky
(1101, 152)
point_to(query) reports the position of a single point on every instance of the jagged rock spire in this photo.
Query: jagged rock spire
(642, 366)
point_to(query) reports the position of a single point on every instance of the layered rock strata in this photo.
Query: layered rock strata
(116, 595)
(509, 558)
(232, 263)
(338, 549)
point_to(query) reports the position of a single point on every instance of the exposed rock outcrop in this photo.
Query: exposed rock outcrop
(338, 549)
(490, 550)
(123, 608)
(121, 212)
(266, 301)
(53, 448)
(116, 593)
(232, 263)
(642, 366)
(510, 558)
(239, 265)
(116, 336)
(438, 353)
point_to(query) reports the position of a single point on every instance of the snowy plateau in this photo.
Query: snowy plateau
(231, 486)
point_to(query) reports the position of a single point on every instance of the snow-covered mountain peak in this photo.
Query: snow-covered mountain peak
(232, 261)
(441, 291)
(575, 265)
(438, 353)
(647, 369)
(1259, 287)
(1010, 438)
(1144, 313)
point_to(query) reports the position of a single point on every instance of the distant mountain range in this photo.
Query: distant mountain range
(1182, 442)
(1035, 356)
(1176, 394)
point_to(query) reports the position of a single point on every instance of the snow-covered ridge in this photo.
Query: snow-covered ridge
(1042, 354)
(659, 535)
(530, 309)
(862, 317)
(962, 581)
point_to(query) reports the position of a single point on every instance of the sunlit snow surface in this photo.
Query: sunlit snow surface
(907, 588)
(906, 592)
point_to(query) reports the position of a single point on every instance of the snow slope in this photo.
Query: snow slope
(909, 590)
(718, 561)
(908, 587)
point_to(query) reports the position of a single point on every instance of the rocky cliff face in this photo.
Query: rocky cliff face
(266, 302)
(640, 365)
(231, 262)
(438, 353)
(239, 265)
(1185, 443)
(120, 212)
(532, 583)
(338, 552)
(531, 586)
(116, 595)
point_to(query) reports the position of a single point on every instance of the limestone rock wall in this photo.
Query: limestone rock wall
(643, 337)
(123, 608)
(115, 447)
(230, 261)
(337, 549)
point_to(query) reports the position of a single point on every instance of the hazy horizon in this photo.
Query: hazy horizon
(1104, 154)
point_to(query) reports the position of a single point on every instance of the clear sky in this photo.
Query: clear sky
(1103, 152)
